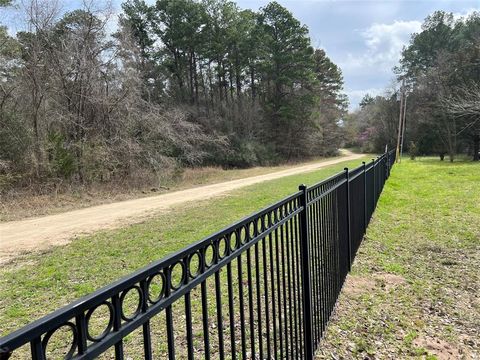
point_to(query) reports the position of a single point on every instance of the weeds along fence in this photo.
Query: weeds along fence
(263, 288)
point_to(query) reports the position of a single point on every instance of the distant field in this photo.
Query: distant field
(415, 287)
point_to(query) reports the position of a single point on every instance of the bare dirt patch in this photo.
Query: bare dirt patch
(441, 349)
(358, 285)
(389, 281)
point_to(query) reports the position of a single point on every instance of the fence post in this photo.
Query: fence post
(306, 282)
(349, 231)
(365, 207)
(387, 167)
(374, 192)
(4, 354)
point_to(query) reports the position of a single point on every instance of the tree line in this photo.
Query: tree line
(178, 83)
(441, 70)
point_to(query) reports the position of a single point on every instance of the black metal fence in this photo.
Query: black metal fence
(263, 288)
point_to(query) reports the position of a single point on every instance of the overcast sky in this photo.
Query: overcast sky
(363, 37)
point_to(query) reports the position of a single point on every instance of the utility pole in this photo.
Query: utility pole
(400, 117)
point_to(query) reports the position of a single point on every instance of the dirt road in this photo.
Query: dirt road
(39, 233)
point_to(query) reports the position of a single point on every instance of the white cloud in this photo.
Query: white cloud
(384, 43)
(465, 14)
(362, 92)
(355, 96)
(392, 36)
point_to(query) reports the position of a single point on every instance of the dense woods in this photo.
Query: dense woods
(178, 83)
(441, 70)
(185, 83)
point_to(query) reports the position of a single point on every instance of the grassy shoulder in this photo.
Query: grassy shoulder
(17, 205)
(36, 284)
(415, 285)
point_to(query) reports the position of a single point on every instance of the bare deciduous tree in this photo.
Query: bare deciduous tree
(465, 104)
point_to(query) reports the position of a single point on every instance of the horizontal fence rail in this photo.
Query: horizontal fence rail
(262, 288)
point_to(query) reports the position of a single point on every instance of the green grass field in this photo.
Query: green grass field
(414, 291)
(415, 284)
(36, 284)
